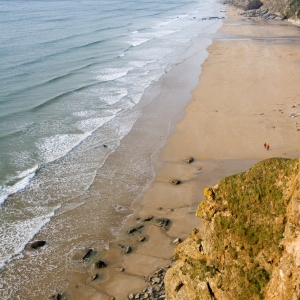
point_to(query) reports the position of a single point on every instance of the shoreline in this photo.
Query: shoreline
(233, 149)
(122, 179)
(171, 109)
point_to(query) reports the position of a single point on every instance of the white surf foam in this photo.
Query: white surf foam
(56, 146)
(90, 125)
(138, 41)
(25, 177)
(18, 233)
(109, 74)
(140, 63)
(85, 113)
(112, 95)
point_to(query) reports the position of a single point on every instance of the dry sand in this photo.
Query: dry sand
(248, 87)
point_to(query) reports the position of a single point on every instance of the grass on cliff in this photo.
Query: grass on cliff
(249, 227)
(256, 201)
(293, 9)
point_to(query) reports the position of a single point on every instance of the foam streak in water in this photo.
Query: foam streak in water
(25, 177)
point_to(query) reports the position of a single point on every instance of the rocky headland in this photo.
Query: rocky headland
(248, 243)
(270, 9)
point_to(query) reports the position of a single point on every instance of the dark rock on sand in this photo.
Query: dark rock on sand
(56, 297)
(100, 264)
(141, 239)
(95, 277)
(148, 218)
(264, 14)
(189, 160)
(176, 241)
(162, 222)
(38, 244)
(128, 249)
(88, 254)
(155, 289)
(175, 181)
(132, 230)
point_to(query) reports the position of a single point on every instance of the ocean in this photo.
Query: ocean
(75, 77)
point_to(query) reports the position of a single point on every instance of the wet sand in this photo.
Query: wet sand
(248, 88)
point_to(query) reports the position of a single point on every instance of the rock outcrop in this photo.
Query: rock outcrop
(247, 4)
(289, 9)
(249, 243)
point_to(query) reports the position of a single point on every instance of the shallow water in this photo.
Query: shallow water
(73, 75)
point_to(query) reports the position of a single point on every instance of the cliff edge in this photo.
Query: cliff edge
(248, 245)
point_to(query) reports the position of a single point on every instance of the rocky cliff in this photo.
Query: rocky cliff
(248, 245)
(285, 8)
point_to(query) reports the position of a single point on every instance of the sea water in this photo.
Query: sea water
(72, 74)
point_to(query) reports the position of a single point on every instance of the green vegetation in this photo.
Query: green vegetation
(198, 269)
(294, 9)
(255, 202)
(247, 228)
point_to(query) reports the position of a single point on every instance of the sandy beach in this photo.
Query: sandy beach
(247, 95)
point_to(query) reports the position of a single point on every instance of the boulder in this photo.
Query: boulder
(95, 277)
(148, 218)
(156, 280)
(100, 264)
(247, 4)
(162, 222)
(176, 241)
(189, 160)
(132, 230)
(175, 181)
(160, 271)
(56, 297)
(38, 244)
(87, 254)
